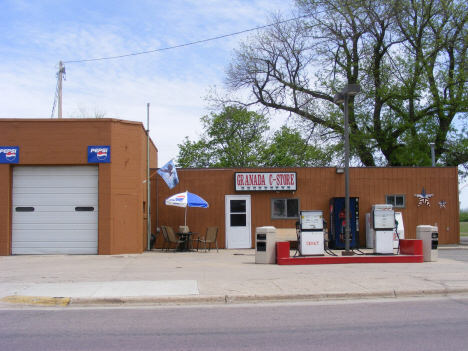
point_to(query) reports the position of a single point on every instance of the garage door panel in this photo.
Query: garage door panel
(25, 182)
(57, 218)
(46, 191)
(54, 194)
(58, 251)
(62, 200)
(57, 244)
(57, 170)
(56, 236)
(54, 226)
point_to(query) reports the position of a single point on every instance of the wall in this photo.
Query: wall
(65, 142)
(315, 187)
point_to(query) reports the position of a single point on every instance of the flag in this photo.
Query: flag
(424, 198)
(169, 174)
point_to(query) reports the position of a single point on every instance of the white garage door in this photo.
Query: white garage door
(55, 210)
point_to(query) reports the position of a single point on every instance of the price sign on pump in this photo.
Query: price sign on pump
(311, 220)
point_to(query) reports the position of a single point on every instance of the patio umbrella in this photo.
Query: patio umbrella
(186, 200)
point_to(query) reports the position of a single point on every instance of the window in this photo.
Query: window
(238, 213)
(284, 208)
(398, 201)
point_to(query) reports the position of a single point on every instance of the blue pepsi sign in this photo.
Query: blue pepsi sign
(9, 154)
(99, 154)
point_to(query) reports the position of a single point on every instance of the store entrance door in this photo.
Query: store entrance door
(238, 232)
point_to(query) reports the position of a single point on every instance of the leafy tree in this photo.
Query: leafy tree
(464, 215)
(232, 138)
(410, 58)
(287, 148)
(238, 138)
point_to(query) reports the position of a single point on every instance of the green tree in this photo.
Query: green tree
(238, 138)
(287, 148)
(232, 138)
(410, 58)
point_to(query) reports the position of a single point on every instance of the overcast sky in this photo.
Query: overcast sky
(36, 35)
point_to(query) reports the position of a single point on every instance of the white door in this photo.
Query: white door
(238, 232)
(55, 210)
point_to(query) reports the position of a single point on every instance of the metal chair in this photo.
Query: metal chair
(174, 239)
(209, 238)
(166, 238)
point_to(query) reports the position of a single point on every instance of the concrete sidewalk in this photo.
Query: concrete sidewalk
(230, 276)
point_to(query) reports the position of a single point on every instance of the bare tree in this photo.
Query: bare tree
(85, 112)
(408, 56)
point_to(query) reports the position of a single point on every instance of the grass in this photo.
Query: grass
(463, 228)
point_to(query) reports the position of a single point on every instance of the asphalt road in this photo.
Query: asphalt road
(408, 324)
(457, 255)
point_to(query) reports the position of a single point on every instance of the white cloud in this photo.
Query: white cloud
(174, 82)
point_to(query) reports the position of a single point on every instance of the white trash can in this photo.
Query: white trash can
(265, 245)
(430, 238)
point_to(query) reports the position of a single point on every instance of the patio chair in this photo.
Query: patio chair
(209, 238)
(166, 239)
(173, 238)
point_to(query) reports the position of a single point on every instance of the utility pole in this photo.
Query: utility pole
(60, 76)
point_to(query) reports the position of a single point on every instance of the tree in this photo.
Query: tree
(85, 112)
(288, 148)
(232, 138)
(238, 138)
(410, 58)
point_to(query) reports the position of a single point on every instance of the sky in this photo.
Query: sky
(36, 35)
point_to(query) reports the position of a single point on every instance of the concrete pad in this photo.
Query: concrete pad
(114, 289)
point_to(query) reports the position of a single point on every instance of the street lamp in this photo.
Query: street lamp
(432, 154)
(348, 90)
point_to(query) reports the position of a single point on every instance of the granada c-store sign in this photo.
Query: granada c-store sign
(265, 181)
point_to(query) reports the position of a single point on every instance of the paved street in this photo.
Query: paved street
(384, 324)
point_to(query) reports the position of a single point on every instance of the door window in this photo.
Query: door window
(238, 213)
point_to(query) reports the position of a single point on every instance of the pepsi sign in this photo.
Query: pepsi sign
(99, 154)
(9, 154)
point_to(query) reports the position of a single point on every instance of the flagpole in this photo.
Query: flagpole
(148, 190)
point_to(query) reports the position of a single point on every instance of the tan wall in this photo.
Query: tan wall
(65, 142)
(5, 213)
(315, 187)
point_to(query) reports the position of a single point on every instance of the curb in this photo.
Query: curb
(37, 300)
(257, 299)
(228, 299)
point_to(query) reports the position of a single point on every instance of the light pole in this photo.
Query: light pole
(432, 154)
(348, 90)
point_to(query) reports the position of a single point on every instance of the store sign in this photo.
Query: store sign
(9, 154)
(264, 181)
(99, 154)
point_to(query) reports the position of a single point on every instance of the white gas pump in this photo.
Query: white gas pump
(311, 235)
(382, 223)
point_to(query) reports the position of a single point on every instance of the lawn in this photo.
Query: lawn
(463, 228)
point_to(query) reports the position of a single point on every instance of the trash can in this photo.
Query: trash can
(265, 245)
(430, 238)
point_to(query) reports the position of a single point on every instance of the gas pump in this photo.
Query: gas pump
(383, 224)
(312, 233)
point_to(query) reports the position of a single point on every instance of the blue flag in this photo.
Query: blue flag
(169, 174)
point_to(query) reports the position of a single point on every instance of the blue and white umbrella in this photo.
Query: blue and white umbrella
(186, 200)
